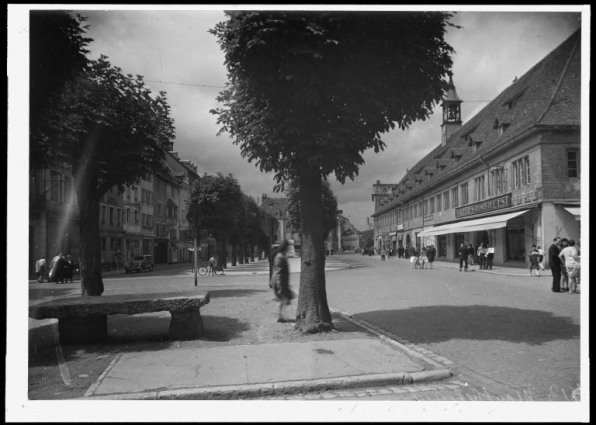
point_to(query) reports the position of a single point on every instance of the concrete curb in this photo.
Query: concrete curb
(283, 388)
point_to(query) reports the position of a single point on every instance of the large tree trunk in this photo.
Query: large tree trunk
(89, 242)
(223, 260)
(312, 313)
(234, 254)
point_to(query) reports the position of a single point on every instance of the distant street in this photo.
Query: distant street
(510, 334)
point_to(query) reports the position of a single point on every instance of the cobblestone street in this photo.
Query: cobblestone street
(510, 335)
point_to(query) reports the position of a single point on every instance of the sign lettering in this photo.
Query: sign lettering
(484, 206)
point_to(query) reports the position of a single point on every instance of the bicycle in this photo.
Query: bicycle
(203, 270)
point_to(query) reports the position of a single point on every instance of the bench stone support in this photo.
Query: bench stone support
(83, 329)
(186, 325)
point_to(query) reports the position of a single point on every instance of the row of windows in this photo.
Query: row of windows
(483, 187)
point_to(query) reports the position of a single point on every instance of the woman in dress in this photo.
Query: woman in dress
(280, 279)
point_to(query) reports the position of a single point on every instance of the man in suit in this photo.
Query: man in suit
(555, 264)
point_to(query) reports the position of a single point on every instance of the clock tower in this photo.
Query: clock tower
(451, 113)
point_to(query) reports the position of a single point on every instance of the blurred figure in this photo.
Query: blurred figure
(534, 254)
(57, 269)
(68, 269)
(431, 253)
(40, 269)
(280, 279)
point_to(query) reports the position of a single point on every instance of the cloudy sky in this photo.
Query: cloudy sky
(173, 50)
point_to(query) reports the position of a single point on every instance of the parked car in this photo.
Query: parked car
(139, 263)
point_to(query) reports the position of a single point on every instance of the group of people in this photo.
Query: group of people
(484, 253)
(564, 260)
(425, 258)
(61, 269)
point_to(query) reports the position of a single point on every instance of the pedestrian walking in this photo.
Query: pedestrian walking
(423, 258)
(383, 253)
(471, 253)
(40, 269)
(490, 255)
(571, 260)
(534, 254)
(57, 269)
(564, 275)
(68, 269)
(431, 253)
(481, 256)
(540, 258)
(280, 279)
(213, 265)
(463, 257)
(554, 263)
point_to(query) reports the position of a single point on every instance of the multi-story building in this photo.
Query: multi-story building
(132, 225)
(509, 177)
(129, 224)
(53, 215)
(111, 229)
(350, 236)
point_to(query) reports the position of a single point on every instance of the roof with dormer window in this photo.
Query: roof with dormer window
(548, 95)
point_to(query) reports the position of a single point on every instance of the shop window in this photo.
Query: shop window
(439, 203)
(573, 163)
(431, 206)
(446, 200)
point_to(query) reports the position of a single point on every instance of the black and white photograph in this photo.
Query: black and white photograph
(297, 213)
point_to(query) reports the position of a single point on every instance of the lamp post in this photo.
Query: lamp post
(195, 217)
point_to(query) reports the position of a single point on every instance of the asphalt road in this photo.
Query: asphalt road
(509, 334)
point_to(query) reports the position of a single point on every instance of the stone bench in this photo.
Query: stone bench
(84, 319)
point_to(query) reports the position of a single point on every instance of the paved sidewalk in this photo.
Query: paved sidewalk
(249, 371)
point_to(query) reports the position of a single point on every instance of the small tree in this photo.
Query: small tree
(110, 130)
(309, 92)
(217, 198)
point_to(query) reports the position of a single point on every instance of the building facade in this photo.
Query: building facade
(509, 177)
(129, 222)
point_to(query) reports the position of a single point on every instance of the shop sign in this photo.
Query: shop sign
(400, 227)
(484, 206)
(427, 218)
(526, 198)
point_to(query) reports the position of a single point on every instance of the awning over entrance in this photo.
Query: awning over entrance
(575, 211)
(494, 222)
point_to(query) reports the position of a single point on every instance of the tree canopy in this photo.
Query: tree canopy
(107, 123)
(319, 88)
(218, 198)
(57, 55)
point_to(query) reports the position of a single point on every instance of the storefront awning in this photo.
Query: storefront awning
(494, 222)
(392, 233)
(575, 211)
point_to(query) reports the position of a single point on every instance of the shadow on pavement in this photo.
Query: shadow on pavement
(226, 293)
(475, 322)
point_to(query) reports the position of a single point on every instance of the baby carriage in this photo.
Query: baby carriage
(417, 261)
